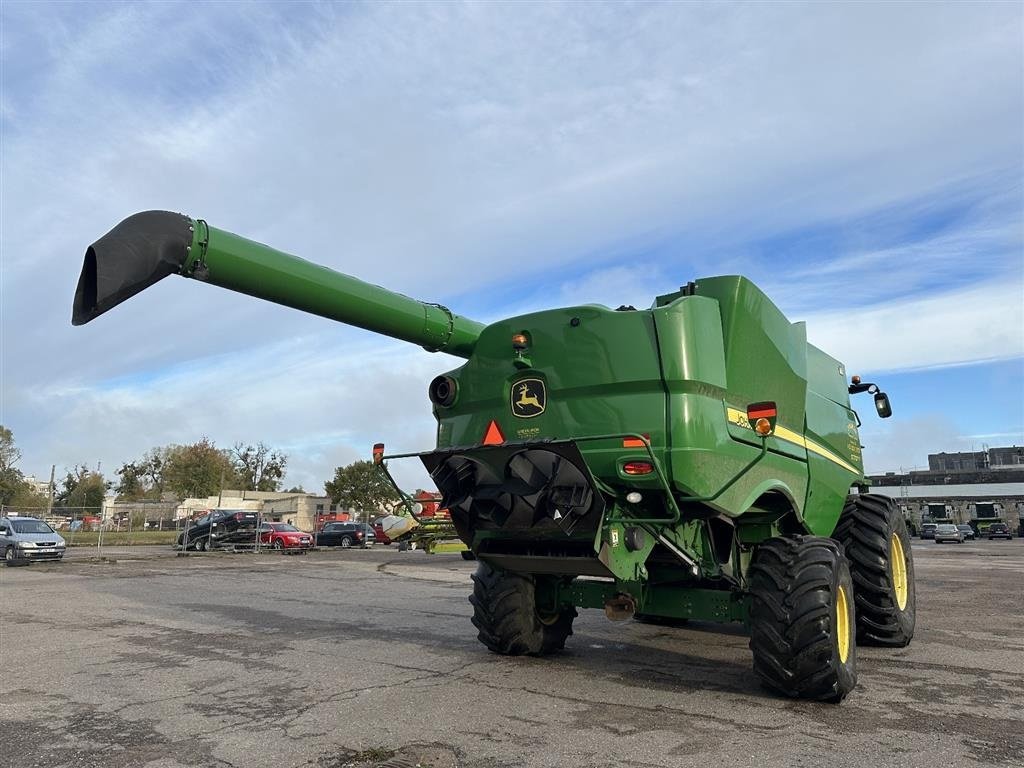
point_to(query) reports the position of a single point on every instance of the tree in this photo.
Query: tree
(144, 477)
(11, 479)
(360, 486)
(130, 487)
(258, 468)
(197, 470)
(83, 488)
(14, 491)
(9, 453)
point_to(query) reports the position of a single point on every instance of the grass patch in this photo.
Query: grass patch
(118, 538)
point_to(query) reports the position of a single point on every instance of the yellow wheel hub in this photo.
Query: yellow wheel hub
(898, 564)
(842, 624)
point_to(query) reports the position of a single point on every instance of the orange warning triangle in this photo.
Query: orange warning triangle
(493, 435)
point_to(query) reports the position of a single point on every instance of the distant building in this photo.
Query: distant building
(963, 487)
(42, 487)
(1009, 457)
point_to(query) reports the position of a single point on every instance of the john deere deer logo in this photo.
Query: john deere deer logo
(528, 398)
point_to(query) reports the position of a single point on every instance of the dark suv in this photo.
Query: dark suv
(999, 531)
(928, 530)
(346, 535)
(219, 527)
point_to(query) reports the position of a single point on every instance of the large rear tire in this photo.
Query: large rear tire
(802, 618)
(505, 613)
(877, 544)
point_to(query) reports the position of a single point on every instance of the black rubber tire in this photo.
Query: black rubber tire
(865, 529)
(278, 545)
(794, 582)
(11, 557)
(505, 614)
(204, 544)
(346, 542)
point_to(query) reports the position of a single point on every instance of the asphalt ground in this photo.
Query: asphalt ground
(368, 658)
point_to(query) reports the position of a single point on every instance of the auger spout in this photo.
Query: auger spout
(147, 247)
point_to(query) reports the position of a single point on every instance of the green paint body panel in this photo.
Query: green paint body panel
(681, 374)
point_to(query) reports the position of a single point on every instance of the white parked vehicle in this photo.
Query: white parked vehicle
(27, 539)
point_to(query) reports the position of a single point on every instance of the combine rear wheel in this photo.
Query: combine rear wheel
(877, 544)
(505, 613)
(802, 618)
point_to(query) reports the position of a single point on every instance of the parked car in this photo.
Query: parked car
(284, 536)
(999, 531)
(219, 527)
(346, 535)
(967, 531)
(26, 539)
(928, 530)
(948, 532)
(379, 536)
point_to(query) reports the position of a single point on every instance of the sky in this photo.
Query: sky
(863, 163)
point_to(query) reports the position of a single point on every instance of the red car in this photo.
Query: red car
(284, 536)
(378, 531)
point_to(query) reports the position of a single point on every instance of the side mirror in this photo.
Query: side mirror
(882, 405)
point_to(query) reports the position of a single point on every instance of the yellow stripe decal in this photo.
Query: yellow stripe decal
(739, 418)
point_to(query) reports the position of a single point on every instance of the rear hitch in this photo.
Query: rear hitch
(620, 607)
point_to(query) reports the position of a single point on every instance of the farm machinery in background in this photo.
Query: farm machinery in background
(698, 459)
(422, 524)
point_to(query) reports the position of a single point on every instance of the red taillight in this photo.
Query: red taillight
(638, 467)
(359, 535)
(239, 516)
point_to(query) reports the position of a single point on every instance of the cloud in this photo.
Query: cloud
(979, 324)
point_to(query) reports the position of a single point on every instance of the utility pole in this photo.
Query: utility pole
(49, 505)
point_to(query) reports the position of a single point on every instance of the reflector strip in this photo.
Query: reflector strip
(493, 434)
(632, 442)
(757, 411)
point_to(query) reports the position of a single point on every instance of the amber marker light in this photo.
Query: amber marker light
(378, 453)
(520, 342)
(761, 417)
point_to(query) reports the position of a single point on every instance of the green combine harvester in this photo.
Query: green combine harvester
(694, 460)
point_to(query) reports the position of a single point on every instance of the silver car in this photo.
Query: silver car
(948, 532)
(25, 539)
